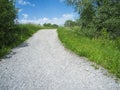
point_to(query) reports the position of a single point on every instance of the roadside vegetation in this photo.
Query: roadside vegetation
(96, 34)
(102, 51)
(19, 34)
(11, 33)
(50, 26)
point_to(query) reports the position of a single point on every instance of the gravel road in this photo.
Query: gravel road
(42, 63)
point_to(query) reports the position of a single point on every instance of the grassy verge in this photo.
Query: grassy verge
(44, 27)
(103, 52)
(22, 32)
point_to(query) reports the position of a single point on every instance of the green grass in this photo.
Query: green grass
(102, 51)
(45, 27)
(22, 33)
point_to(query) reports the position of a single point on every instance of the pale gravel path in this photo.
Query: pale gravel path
(44, 64)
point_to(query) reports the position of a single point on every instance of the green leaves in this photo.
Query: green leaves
(70, 23)
(7, 25)
(49, 25)
(100, 13)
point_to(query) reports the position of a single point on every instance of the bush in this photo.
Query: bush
(89, 32)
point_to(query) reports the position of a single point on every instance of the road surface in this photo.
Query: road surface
(42, 63)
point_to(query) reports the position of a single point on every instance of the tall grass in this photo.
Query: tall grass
(102, 51)
(20, 34)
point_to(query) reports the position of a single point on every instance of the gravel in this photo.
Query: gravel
(42, 63)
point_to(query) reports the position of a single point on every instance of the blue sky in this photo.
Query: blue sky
(44, 11)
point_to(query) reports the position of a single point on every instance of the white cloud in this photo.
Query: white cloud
(55, 20)
(23, 2)
(25, 16)
(20, 10)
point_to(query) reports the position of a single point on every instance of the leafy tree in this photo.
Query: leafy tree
(55, 25)
(47, 24)
(85, 9)
(7, 13)
(7, 25)
(70, 23)
(50, 25)
(87, 15)
(99, 14)
(108, 16)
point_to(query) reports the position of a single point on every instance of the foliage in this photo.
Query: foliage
(7, 14)
(12, 34)
(70, 23)
(7, 24)
(49, 25)
(100, 50)
(96, 34)
(100, 13)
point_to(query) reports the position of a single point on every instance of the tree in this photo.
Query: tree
(47, 24)
(7, 13)
(70, 23)
(99, 14)
(85, 10)
(87, 15)
(7, 17)
(50, 25)
(55, 26)
(108, 15)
